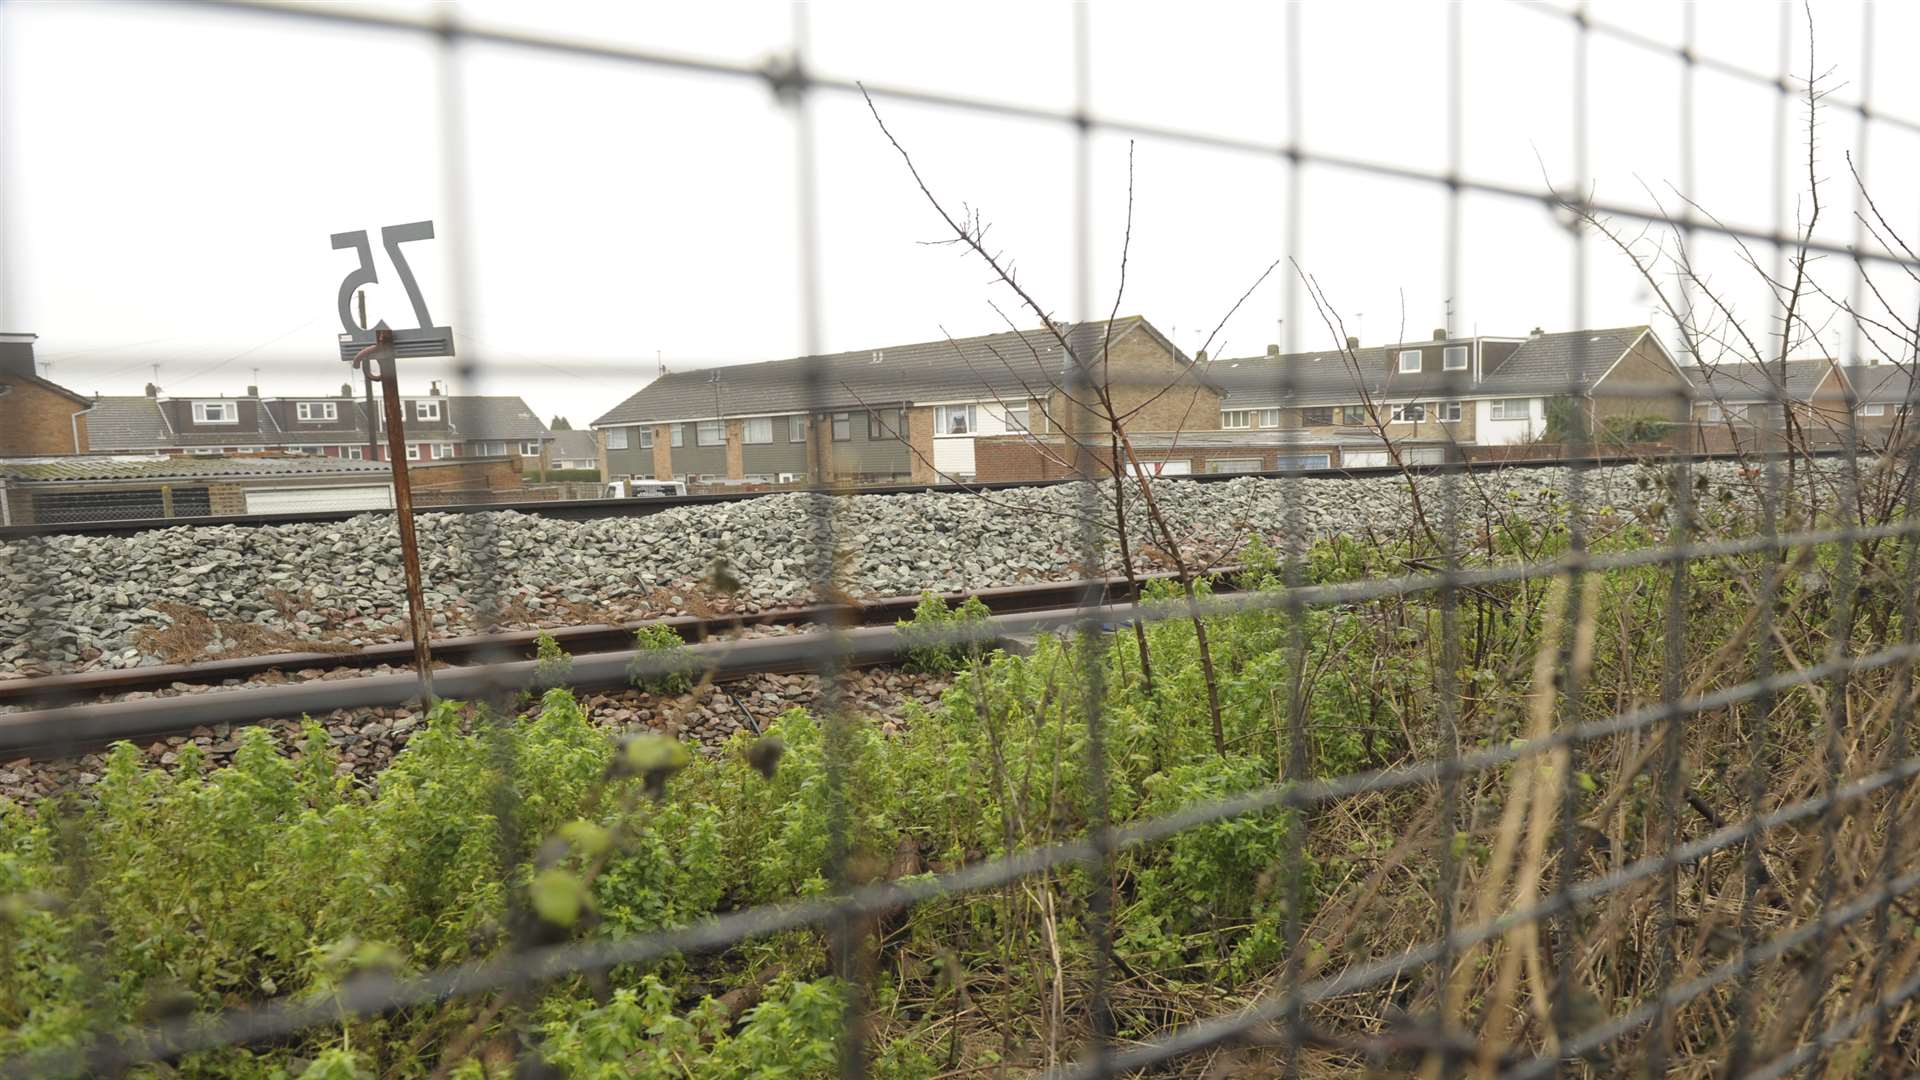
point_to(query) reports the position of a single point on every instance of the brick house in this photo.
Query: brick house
(37, 417)
(1445, 397)
(438, 426)
(904, 413)
(1738, 402)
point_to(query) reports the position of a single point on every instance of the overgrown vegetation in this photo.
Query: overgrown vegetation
(201, 889)
(661, 666)
(932, 632)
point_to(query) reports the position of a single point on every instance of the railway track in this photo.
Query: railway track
(68, 715)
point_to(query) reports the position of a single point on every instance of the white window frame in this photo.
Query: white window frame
(353, 453)
(426, 410)
(1712, 413)
(842, 427)
(943, 420)
(1449, 412)
(442, 450)
(1879, 409)
(1236, 418)
(1405, 355)
(325, 410)
(1254, 465)
(1018, 416)
(757, 431)
(797, 428)
(646, 438)
(413, 451)
(1418, 409)
(1505, 408)
(1447, 356)
(703, 428)
(206, 451)
(249, 449)
(530, 449)
(676, 435)
(616, 438)
(229, 412)
(1269, 418)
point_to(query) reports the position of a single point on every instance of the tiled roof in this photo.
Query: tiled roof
(1541, 365)
(155, 468)
(1006, 365)
(138, 423)
(1881, 384)
(1737, 383)
(574, 445)
(127, 423)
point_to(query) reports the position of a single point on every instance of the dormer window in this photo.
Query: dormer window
(1455, 358)
(426, 410)
(216, 412)
(316, 410)
(1409, 361)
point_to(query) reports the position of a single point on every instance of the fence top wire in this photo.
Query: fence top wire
(1567, 733)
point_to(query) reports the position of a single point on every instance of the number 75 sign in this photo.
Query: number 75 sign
(425, 339)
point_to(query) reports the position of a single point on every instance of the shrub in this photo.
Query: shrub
(928, 649)
(662, 665)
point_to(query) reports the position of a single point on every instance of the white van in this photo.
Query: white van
(644, 489)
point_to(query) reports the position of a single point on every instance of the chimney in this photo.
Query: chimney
(16, 355)
(1536, 332)
(1200, 357)
(1440, 333)
(1273, 350)
(153, 391)
(346, 389)
(1353, 344)
(433, 388)
(253, 391)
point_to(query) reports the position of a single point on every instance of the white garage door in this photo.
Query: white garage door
(1181, 467)
(1374, 459)
(301, 500)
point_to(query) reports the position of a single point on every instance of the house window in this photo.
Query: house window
(249, 449)
(356, 453)
(1409, 414)
(1454, 358)
(796, 429)
(954, 420)
(1316, 417)
(205, 451)
(426, 410)
(1711, 413)
(316, 410)
(1234, 465)
(646, 438)
(1873, 410)
(1353, 414)
(1449, 411)
(442, 450)
(1270, 418)
(530, 449)
(216, 412)
(842, 427)
(1508, 408)
(1236, 418)
(413, 451)
(758, 430)
(710, 433)
(1017, 417)
(617, 438)
(1301, 461)
(676, 435)
(1409, 361)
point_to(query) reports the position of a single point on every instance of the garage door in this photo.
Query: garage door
(302, 500)
(1181, 467)
(1378, 459)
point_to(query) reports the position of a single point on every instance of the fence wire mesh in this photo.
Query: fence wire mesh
(1571, 869)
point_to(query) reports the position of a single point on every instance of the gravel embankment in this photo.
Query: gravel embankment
(73, 603)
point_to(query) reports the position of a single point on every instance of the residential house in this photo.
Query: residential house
(903, 413)
(37, 416)
(573, 450)
(438, 426)
(1739, 402)
(1449, 396)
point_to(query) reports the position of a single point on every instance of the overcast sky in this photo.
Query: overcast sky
(173, 173)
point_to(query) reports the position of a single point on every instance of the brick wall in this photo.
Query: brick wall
(736, 458)
(37, 421)
(920, 444)
(491, 474)
(663, 452)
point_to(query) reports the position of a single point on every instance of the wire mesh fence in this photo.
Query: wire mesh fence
(1608, 778)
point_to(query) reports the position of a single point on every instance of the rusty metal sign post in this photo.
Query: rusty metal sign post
(385, 345)
(389, 379)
